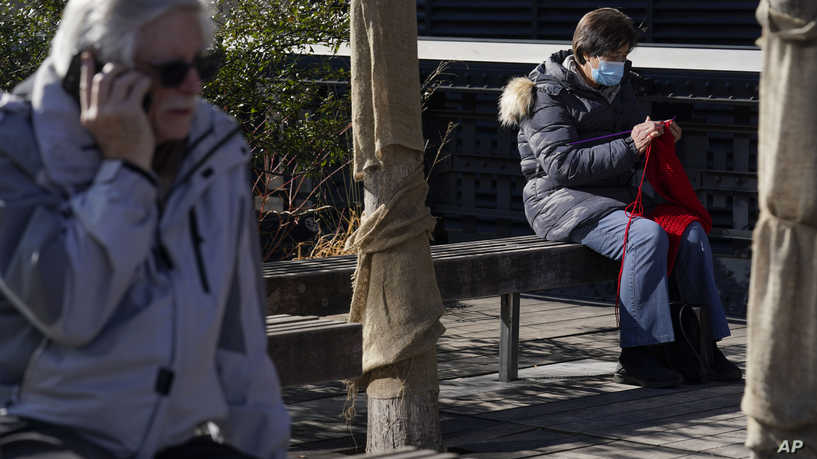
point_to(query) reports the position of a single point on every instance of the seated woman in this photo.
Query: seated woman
(579, 192)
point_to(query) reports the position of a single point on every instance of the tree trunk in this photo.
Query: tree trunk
(412, 418)
(402, 399)
(396, 296)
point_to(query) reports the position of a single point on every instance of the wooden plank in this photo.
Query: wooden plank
(283, 319)
(329, 293)
(296, 268)
(496, 273)
(301, 323)
(317, 354)
(518, 264)
(298, 328)
(509, 337)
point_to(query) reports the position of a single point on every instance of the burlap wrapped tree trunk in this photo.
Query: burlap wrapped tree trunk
(395, 290)
(781, 379)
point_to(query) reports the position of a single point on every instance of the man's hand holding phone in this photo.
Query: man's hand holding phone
(111, 107)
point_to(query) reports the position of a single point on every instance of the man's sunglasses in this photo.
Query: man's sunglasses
(173, 73)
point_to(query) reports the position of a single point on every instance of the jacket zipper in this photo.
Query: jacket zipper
(194, 228)
(195, 235)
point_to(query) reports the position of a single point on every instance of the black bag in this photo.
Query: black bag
(691, 352)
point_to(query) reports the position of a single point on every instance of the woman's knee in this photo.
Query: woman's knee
(695, 234)
(694, 242)
(647, 233)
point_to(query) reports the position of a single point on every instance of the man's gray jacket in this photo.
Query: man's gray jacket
(568, 185)
(131, 321)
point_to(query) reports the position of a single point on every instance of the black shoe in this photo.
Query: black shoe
(640, 366)
(721, 369)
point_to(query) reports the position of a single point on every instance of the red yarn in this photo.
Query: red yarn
(667, 176)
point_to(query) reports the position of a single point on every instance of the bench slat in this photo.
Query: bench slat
(287, 319)
(304, 326)
(298, 267)
(464, 270)
(313, 351)
(487, 251)
(277, 316)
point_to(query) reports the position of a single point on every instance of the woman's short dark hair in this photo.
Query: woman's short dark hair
(603, 32)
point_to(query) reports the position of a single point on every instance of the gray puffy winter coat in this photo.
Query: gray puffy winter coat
(568, 185)
(131, 322)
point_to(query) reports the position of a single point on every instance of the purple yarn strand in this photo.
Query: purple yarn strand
(599, 138)
(605, 136)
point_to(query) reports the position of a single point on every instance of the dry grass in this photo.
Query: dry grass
(332, 244)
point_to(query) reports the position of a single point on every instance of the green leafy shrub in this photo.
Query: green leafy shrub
(26, 29)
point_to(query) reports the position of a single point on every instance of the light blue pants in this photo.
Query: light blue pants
(645, 314)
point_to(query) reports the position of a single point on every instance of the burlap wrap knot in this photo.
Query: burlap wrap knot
(781, 377)
(396, 297)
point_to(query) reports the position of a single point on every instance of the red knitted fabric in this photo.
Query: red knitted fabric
(666, 175)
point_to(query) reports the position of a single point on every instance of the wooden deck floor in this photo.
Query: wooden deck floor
(564, 405)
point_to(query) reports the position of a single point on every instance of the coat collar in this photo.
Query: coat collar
(66, 148)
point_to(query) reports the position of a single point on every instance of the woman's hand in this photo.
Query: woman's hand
(675, 130)
(111, 109)
(643, 133)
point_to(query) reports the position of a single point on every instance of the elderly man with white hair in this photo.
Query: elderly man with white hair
(131, 302)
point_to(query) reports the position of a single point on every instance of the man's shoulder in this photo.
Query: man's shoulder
(218, 118)
(12, 105)
(15, 116)
(226, 143)
(13, 102)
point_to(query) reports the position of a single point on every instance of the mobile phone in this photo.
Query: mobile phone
(70, 83)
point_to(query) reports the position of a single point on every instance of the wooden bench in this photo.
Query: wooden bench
(324, 349)
(465, 270)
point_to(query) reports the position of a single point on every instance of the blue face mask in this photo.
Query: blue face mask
(609, 73)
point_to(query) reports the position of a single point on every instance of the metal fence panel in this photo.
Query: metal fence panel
(664, 21)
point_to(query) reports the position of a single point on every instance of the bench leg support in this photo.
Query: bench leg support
(509, 337)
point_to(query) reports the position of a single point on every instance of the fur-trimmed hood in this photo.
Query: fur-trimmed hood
(516, 101)
(518, 96)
